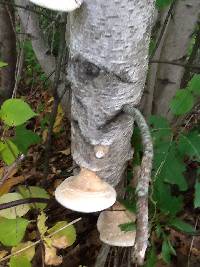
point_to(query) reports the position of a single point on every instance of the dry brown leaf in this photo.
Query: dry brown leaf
(59, 118)
(51, 258)
(66, 152)
(8, 184)
(3, 253)
(60, 242)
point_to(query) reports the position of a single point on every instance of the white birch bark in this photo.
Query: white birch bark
(109, 43)
(175, 47)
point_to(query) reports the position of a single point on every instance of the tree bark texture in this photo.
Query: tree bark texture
(109, 43)
(177, 40)
(7, 51)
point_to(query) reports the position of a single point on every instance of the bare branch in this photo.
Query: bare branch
(142, 189)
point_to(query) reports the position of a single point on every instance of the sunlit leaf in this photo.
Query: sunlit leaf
(19, 261)
(13, 212)
(28, 253)
(12, 231)
(8, 151)
(41, 223)
(182, 102)
(15, 112)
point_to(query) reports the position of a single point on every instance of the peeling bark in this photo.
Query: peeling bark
(175, 47)
(7, 51)
(109, 55)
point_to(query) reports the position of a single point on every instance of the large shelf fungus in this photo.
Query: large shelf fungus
(108, 226)
(59, 5)
(85, 192)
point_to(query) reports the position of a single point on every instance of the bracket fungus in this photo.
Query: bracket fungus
(108, 226)
(85, 192)
(59, 5)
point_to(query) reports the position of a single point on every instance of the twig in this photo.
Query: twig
(163, 29)
(8, 170)
(55, 94)
(175, 63)
(142, 189)
(38, 241)
(186, 75)
(18, 202)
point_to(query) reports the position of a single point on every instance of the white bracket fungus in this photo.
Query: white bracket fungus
(59, 5)
(85, 192)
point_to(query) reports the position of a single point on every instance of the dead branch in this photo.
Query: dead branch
(142, 189)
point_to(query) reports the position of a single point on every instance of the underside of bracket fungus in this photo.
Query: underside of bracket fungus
(59, 5)
(108, 226)
(85, 192)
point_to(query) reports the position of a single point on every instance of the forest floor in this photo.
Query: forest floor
(84, 251)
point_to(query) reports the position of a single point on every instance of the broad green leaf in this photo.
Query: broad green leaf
(129, 205)
(167, 250)
(14, 212)
(34, 192)
(197, 195)
(8, 151)
(25, 138)
(28, 253)
(182, 102)
(15, 112)
(12, 231)
(190, 145)
(69, 232)
(194, 84)
(167, 203)
(19, 261)
(41, 220)
(3, 64)
(151, 258)
(127, 227)
(171, 169)
(182, 226)
(163, 3)
(160, 128)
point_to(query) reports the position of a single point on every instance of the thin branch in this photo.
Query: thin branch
(38, 241)
(176, 64)
(18, 202)
(55, 93)
(142, 189)
(187, 75)
(163, 29)
(8, 170)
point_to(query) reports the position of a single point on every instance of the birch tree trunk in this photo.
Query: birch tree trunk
(176, 43)
(7, 51)
(109, 43)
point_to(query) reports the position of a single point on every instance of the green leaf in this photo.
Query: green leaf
(25, 138)
(197, 195)
(194, 84)
(127, 227)
(34, 192)
(28, 253)
(12, 231)
(182, 226)
(182, 102)
(167, 203)
(190, 145)
(3, 64)
(167, 250)
(19, 261)
(41, 220)
(151, 258)
(8, 151)
(69, 232)
(15, 112)
(163, 3)
(14, 212)
(160, 128)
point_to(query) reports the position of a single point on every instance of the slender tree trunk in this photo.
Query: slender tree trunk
(177, 39)
(109, 43)
(7, 51)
